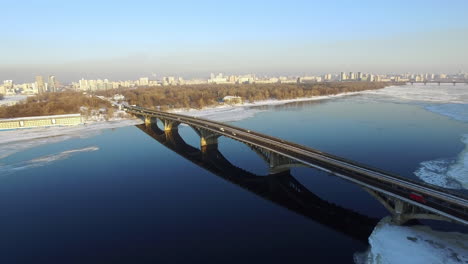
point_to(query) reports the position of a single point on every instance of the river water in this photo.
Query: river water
(122, 196)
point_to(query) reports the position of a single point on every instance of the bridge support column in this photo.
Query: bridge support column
(399, 212)
(208, 138)
(149, 120)
(169, 124)
(276, 163)
(402, 211)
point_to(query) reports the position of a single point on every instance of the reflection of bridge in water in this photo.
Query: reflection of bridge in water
(404, 198)
(280, 188)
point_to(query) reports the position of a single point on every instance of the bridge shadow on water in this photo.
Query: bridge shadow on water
(280, 188)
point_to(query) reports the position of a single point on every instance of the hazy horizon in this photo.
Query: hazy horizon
(129, 40)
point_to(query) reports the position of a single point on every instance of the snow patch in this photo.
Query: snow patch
(445, 93)
(223, 114)
(227, 113)
(42, 161)
(391, 243)
(445, 172)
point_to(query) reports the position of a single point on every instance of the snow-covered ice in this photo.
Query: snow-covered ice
(447, 173)
(433, 93)
(393, 244)
(222, 114)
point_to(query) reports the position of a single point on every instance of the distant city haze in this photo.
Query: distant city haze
(120, 41)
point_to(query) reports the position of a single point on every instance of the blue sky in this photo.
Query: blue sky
(130, 38)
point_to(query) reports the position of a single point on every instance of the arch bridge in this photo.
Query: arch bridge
(404, 198)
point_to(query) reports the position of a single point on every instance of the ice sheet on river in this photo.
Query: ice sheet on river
(389, 244)
(447, 173)
(431, 93)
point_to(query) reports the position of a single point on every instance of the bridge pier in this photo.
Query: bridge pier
(207, 138)
(149, 120)
(170, 125)
(402, 211)
(276, 163)
(399, 212)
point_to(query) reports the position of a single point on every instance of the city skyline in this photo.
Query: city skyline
(125, 40)
(10, 87)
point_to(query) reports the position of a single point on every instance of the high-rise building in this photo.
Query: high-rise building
(359, 76)
(52, 87)
(8, 84)
(40, 84)
(343, 76)
(352, 76)
(83, 85)
(144, 81)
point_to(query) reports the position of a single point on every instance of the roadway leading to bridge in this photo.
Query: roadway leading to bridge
(413, 194)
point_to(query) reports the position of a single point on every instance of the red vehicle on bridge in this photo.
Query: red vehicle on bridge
(417, 197)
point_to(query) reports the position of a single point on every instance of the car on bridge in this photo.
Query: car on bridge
(417, 197)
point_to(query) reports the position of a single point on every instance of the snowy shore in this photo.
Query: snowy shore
(390, 243)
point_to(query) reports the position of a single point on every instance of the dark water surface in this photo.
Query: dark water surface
(134, 200)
